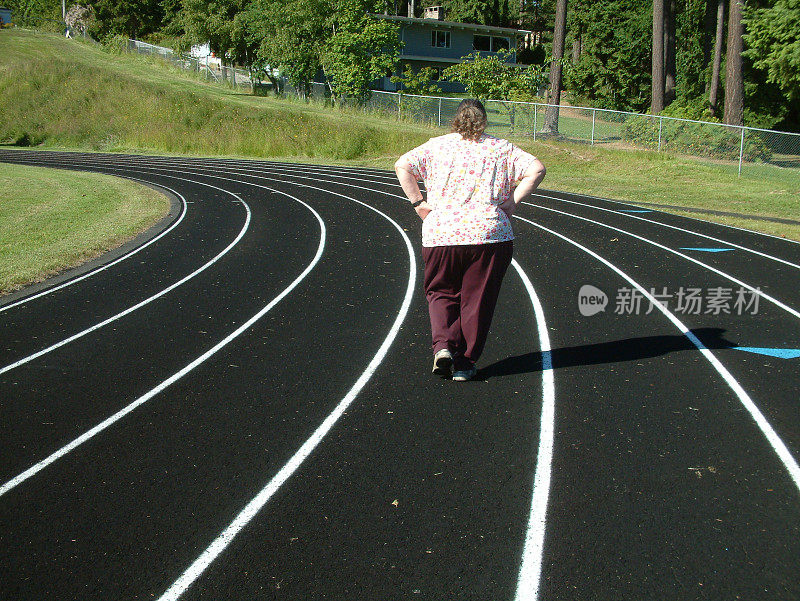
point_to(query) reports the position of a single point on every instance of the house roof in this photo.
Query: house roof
(453, 25)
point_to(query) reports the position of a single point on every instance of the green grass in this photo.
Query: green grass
(57, 93)
(62, 93)
(52, 219)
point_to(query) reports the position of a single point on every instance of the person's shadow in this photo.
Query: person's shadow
(615, 351)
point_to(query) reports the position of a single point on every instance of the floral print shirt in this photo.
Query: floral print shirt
(466, 183)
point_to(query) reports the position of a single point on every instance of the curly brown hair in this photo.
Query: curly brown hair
(470, 119)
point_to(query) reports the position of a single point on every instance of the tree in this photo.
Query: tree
(132, 18)
(486, 77)
(670, 63)
(734, 84)
(78, 18)
(693, 55)
(773, 40)
(482, 12)
(360, 50)
(289, 36)
(559, 34)
(613, 70)
(490, 77)
(717, 63)
(224, 24)
(36, 13)
(417, 82)
(657, 101)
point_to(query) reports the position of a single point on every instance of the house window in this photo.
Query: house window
(440, 39)
(488, 43)
(499, 44)
(482, 43)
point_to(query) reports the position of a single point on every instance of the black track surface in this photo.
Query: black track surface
(662, 484)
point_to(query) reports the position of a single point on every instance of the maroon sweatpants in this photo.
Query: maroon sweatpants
(462, 284)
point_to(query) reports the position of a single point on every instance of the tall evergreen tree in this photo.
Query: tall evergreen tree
(554, 100)
(734, 84)
(614, 68)
(773, 40)
(670, 62)
(719, 39)
(657, 101)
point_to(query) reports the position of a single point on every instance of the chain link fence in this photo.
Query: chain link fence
(739, 147)
(211, 70)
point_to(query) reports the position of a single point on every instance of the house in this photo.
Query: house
(5, 16)
(433, 42)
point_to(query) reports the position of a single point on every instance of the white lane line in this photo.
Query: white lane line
(174, 378)
(530, 571)
(148, 300)
(672, 227)
(262, 498)
(763, 295)
(754, 290)
(643, 206)
(112, 263)
(767, 430)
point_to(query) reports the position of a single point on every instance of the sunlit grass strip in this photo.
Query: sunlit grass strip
(51, 219)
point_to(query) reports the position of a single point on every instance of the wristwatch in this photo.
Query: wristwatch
(416, 204)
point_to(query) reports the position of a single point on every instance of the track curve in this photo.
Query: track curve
(643, 475)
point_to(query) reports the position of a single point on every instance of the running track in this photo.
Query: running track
(242, 408)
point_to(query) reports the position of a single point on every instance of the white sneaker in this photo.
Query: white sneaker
(464, 375)
(443, 363)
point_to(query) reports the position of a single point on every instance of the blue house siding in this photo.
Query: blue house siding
(440, 44)
(5, 15)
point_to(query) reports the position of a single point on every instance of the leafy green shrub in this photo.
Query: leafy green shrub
(115, 44)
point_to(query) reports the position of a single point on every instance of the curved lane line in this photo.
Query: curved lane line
(772, 437)
(148, 300)
(533, 552)
(731, 278)
(262, 498)
(672, 227)
(763, 295)
(112, 263)
(733, 227)
(177, 376)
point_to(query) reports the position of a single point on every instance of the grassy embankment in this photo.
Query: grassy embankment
(63, 94)
(52, 219)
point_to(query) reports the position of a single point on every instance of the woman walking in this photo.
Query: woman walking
(473, 182)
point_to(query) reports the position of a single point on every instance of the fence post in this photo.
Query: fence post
(440, 112)
(593, 113)
(660, 122)
(535, 106)
(741, 153)
(399, 106)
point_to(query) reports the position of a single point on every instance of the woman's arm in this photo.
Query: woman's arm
(410, 186)
(530, 181)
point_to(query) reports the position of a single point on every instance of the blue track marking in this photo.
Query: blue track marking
(708, 250)
(780, 353)
(635, 211)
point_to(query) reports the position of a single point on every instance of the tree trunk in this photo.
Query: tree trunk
(657, 100)
(734, 85)
(559, 33)
(714, 88)
(670, 65)
(709, 27)
(577, 46)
